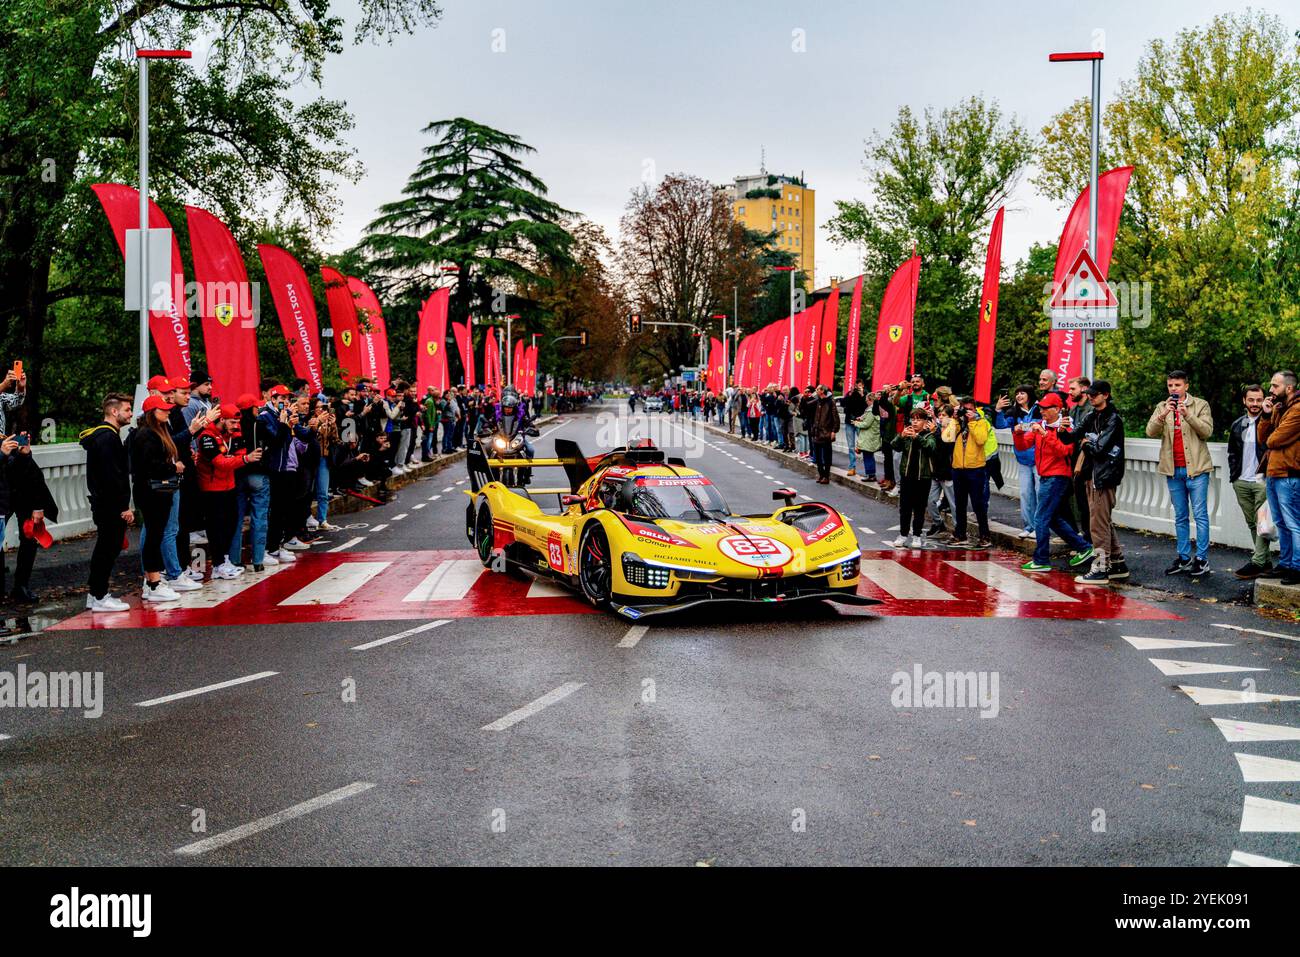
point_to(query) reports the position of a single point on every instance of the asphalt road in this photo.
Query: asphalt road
(739, 739)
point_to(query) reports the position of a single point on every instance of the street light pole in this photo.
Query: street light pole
(1087, 358)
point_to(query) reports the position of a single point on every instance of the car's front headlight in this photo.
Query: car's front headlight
(499, 444)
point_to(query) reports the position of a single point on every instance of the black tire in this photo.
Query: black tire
(483, 535)
(596, 566)
(471, 522)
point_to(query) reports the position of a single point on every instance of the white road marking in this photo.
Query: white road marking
(337, 584)
(1213, 696)
(401, 634)
(213, 593)
(541, 588)
(380, 527)
(1242, 859)
(899, 581)
(398, 518)
(806, 498)
(1156, 644)
(416, 506)
(1256, 767)
(1262, 815)
(460, 481)
(530, 709)
(550, 430)
(868, 531)
(1246, 731)
(205, 689)
(451, 580)
(1168, 666)
(450, 488)
(434, 498)
(634, 634)
(4, 737)
(1256, 631)
(348, 544)
(263, 823)
(1009, 582)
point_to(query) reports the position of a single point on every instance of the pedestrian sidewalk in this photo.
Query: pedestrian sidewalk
(1148, 554)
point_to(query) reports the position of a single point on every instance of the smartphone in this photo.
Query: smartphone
(18, 368)
(23, 440)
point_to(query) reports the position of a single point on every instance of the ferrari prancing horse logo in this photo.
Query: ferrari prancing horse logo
(225, 313)
(988, 309)
(895, 333)
(432, 348)
(347, 337)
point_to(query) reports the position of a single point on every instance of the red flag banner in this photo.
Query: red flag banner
(296, 308)
(226, 305)
(851, 340)
(894, 329)
(715, 365)
(1065, 346)
(466, 349)
(491, 363)
(431, 344)
(830, 332)
(530, 373)
(168, 326)
(374, 334)
(988, 313)
(517, 365)
(343, 321)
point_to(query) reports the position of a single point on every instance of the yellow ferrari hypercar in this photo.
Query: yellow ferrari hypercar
(642, 534)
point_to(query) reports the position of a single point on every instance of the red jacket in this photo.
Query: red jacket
(1052, 457)
(214, 461)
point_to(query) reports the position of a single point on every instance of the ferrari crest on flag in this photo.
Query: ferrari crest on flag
(347, 337)
(988, 309)
(895, 333)
(432, 347)
(224, 312)
(798, 355)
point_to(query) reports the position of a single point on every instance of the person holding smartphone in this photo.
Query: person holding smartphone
(1183, 423)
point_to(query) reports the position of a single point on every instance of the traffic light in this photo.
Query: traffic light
(633, 323)
(582, 337)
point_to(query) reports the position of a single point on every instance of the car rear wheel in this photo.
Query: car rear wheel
(483, 535)
(595, 567)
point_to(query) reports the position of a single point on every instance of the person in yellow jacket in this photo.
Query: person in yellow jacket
(1183, 423)
(969, 433)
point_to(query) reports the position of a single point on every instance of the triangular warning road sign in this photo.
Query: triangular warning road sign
(1083, 287)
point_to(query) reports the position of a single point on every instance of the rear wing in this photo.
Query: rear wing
(483, 470)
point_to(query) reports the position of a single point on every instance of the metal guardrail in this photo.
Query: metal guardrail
(64, 465)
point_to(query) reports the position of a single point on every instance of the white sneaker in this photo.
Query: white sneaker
(286, 556)
(107, 603)
(327, 527)
(899, 542)
(294, 545)
(365, 482)
(90, 601)
(397, 470)
(312, 524)
(1026, 533)
(198, 538)
(917, 542)
(184, 583)
(161, 593)
(270, 559)
(193, 574)
(227, 571)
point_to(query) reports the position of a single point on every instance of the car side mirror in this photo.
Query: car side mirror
(784, 494)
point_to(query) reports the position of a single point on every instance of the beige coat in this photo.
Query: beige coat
(1197, 423)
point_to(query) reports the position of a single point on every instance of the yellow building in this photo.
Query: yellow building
(783, 205)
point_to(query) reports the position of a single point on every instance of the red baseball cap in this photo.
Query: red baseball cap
(280, 390)
(159, 383)
(229, 410)
(35, 528)
(156, 402)
(179, 383)
(1050, 401)
(246, 401)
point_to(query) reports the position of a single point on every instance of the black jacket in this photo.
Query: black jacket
(27, 489)
(149, 460)
(854, 404)
(108, 470)
(1237, 445)
(1104, 456)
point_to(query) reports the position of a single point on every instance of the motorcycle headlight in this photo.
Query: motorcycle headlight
(499, 443)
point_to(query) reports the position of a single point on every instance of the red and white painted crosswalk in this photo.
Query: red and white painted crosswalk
(379, 586)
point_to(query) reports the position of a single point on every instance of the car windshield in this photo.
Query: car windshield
(672, 498)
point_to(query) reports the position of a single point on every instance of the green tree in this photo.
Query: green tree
(937, 181)
(470, 203)
(225, 133)
(1209, 123)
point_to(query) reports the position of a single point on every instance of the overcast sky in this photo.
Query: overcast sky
(601, 89)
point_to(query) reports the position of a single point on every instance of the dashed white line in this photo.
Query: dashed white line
(450, 488)
(1256, 631)
(434, 498)
(398, 518)
(530, 709)
(428, 625)
(271, 820)
(1242, 859)
(460, 481)
(348, 544)
(205, 689)
(864, 528)
(379, 528)
(4, 737)
(634, 634)
(417, 505)
(806, 498)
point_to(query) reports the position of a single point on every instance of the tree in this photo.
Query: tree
(936, 181)
(1212, 217)
(224, 133)
(680, 255)
(472, 204)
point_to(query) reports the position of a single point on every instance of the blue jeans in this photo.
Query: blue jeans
(851, 439)
(1193, 492)
(1028, 495)
(322, 490)
(170, 557)
(448, 440)
(253, 494)
(1052, 491)
(426, 443)
(1284, 503)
